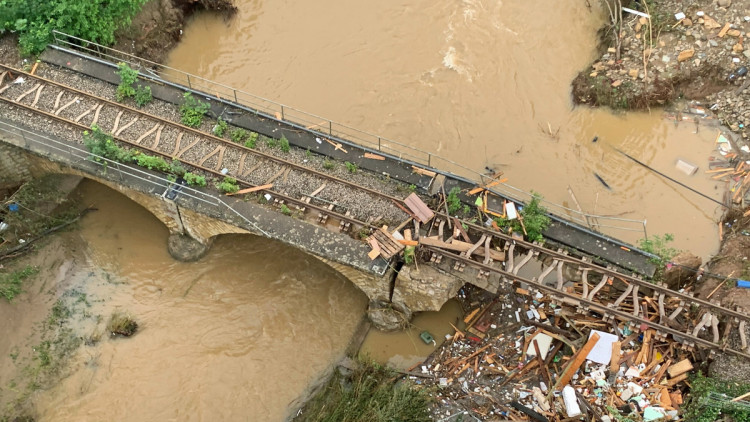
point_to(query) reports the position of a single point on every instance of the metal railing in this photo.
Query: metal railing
(323, 127)
(75, 154)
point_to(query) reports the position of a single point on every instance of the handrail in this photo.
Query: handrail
(325, 127)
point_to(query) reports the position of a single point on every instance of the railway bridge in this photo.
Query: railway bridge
(359, 219)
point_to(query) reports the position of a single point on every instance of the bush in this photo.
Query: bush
(701, 407)
(220, 128)
(250, 143)
(284, 144)
(534, 219)
(128, 76)
(228, 185)
(370, 393)
(285, 210)
(328, 164)
(101, 144)
(351, 167)
(238, 135)
(93, 20)
(143, 95)
(152, 162)
(176, 168)
(192, 110)
(454, 202)
(195, 180)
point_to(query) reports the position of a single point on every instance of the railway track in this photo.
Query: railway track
(305, 188)
(693, 322)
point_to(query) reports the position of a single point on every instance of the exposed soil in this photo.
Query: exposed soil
(157, 28)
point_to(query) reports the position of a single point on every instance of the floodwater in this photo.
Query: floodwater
(481, 82)
(404, 349)
(237, 336)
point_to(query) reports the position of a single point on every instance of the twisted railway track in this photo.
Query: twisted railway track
(294, 184)
(613, 295)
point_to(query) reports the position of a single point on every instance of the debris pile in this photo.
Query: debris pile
(533, 359)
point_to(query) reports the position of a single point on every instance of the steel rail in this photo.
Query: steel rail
(211, 171)
(604, 309)
(202, 134)
(604, 270)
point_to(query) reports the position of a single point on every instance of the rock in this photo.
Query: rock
(616, 83)
(186, 249)
(684, 55)
(687, 22)
(684, 267)
(746, 53)
(697, 62)
(710, 23)
(737, 48)
(725, 3)
(713, 43)
(734, 33)
(388, 316)
(633, 73)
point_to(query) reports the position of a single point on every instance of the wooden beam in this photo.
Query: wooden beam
(250, 190)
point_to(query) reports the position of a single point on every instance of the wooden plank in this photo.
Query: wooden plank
(464, 235)
(577, 361)
(317, 191)
(422, 212)
(674, 381)
(679, 368)
(614, 362)
(422, 171)
(408, 242)
(374, 156)
(253, 189)
(725, 29)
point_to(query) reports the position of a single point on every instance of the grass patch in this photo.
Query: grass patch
(10, 284)
(228, 185)
(193, 110)
(454, 202)
(121, 325)
(659, 246)
(370, 393)
(351, 167)
(328, 164)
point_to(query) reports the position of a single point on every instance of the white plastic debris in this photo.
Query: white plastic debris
(268, 196)
(225, 171)
(679, 16)
(571, 403)
(318, 140)
(700, 13)
(19, 80)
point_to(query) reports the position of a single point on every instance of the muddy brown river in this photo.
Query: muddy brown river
(475, 81)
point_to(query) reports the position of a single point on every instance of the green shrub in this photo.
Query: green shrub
(228, 185)
(250, 143)
(238, 135)
(193, 111)
(284, 144)
(128, 76)
(271, 142)
(101, 144)
(195, 179)
(454, 202)
(220, 128)
(659, 246)
(93, 20)
(176, 168)
(152, 162)
(534, 219)
(121, 325)
(370, 393)
(700, 406)
(143, 95)
(285, 210)
(351, 167)
(328, 164)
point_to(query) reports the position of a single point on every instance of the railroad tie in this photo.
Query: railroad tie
(743, 336)
(214, 152)
(66, 105)
(560, 279)
(184, 150)
(2, 77)
(275, 176)
(38, 94)
(523, 262)
(252, 169)
(177, 144)
(117, 122)
(635, 301)
(511, 257)
(22, 96)
(57, 101)
(126, 126)
(148, 132)
(158, 137)
(221, 159)
(85, 113)
(487, 251)
(286, 175)
(547, 271)
(598, 287)
(242, 163)
(96, 114)
(585, 283)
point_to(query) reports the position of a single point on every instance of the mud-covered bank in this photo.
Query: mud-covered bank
(157, 28)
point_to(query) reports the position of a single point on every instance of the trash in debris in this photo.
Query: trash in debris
(602, 351)
(679, 16)
(510, 210)
(426, 337)
(686, 167)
